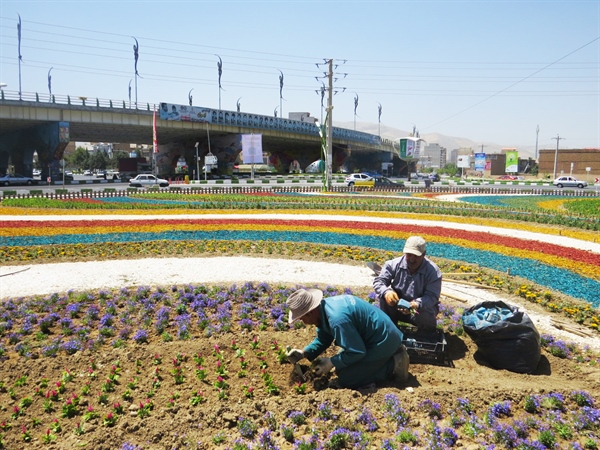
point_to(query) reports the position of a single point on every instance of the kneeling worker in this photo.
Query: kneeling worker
(371, 344)
(412, 277)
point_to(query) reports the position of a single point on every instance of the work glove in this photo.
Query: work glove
(294, 355)
(391, 297)
(323, 366)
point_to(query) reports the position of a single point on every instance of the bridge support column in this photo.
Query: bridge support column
(49, 140)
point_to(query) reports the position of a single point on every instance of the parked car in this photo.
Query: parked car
(68, 175)
(37, 173)
(147, 180)
(87, 173)
(15, 179)
(569, 182)
(380, 182)
(418, 176)
(354, 177)
(434, 176)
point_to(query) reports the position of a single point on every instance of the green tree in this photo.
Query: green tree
(79, 159)
(99, 160)
(450, 169)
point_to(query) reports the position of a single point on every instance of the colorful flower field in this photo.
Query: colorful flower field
(196, 366)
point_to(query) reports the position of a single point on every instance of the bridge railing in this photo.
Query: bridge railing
(70, 100)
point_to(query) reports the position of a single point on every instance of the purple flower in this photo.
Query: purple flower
(367, 418)
(393, 410)
(586, 419)
(93, 312)
(582, 398)
(501, 409)
(433, 409)
(128, 446)
(74, 309)
(505, 435)
(140, 336)
(72, 346)
(106, 320)
(246, 324)
(449, 437)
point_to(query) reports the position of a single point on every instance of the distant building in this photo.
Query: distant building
(570, 162)
(433, 156)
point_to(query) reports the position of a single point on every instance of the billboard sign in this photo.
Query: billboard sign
(512, 162)
(184, 113)
(463, 161)
(252, 149)
(410, 148)
(479, 162)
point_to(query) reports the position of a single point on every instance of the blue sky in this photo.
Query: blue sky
(490, 71)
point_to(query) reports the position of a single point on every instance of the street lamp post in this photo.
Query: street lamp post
(197, 163)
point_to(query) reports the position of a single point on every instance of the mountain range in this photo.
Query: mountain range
(448, 142)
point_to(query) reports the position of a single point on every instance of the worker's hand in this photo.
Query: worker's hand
(391, 298)
(414, 308)
(294, 355)
(323, 366)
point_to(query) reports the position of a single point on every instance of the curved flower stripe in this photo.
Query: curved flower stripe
(549, 253)
(509, 200)
(554, 205)
(555, 278)
(583, 235)
(581, 262)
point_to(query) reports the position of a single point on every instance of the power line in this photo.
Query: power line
(514, 84)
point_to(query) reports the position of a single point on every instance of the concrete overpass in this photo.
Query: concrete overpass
(46, 125)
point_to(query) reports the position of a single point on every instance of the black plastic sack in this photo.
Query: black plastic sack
(505, 337)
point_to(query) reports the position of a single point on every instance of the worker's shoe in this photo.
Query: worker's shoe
(334, 384)
(401, 361)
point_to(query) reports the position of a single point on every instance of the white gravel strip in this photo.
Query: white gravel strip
(44, 279)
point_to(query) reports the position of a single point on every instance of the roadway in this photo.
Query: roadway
(99, 185)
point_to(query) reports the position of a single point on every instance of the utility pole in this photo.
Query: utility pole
(537, 132)
(558, 138)
(329, 134)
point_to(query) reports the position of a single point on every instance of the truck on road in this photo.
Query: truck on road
(130, 167)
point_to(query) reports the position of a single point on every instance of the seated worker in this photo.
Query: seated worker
(412, 277)
(371, 344)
